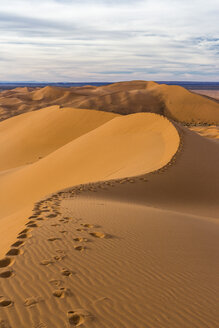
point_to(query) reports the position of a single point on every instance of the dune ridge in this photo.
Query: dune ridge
(124, 146)
(108, 220)
(100, 264)
(174, 102)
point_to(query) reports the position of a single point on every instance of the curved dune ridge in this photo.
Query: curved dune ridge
(173, 102)
(125, 146)
(29, 137)
(119, 256)
(132, 240)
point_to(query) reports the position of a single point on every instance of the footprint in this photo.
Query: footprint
(63, 231)
(4, 302)
(6, 274)
(80, 229)
(61, 292)
(66, 272)
(60, 251)
(32, 301)
(13, 252)
(55, 225)
(56, 282)
(53, 239)
(50, 216)
(22, 236)
(5, 262)
(17, 243)
(24, 231)
(79, 248)
(87, 225)
(59, 257)
(32, 225)
(57, 213)
(47, 262)
(75, 318)
(78, 317)
(99, 234)
(32, 217)
(30, 222)
(80, 239)
(36, 214)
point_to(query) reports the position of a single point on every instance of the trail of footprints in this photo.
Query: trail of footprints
(48, 209)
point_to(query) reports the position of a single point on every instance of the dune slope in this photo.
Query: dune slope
(29, 137)
(189, 186)
(124, 146)
(97, 263)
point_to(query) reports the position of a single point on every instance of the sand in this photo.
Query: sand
(124, 146)
(27, 138)
(114, 264)
(174, 102)
(209, 93)
(211, 132)
(109, 220)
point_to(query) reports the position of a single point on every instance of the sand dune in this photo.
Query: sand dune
(48, 92)
(123, 98)
(132, 240)
(104, 262)
(29, 137)
(188, 186)
(124, 146)
(174, 102)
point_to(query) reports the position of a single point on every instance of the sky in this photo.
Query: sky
(109, 40)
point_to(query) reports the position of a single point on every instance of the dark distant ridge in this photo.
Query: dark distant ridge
(185, 84)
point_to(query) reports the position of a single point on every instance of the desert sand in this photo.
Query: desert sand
(209, 93)
(106, 219)
(174, 102)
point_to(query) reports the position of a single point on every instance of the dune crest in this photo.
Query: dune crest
(173, 102)
(125, 146)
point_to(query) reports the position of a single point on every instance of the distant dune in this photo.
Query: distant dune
(214, 94)
(174, 102)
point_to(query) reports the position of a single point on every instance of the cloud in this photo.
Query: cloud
(108, 40)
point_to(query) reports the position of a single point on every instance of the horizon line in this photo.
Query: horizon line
(66, 82)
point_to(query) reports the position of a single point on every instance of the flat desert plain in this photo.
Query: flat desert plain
(109, 207)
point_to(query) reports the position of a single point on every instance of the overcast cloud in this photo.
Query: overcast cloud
(109, 40)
